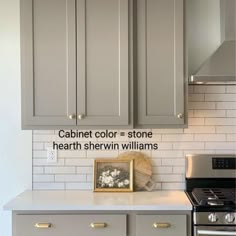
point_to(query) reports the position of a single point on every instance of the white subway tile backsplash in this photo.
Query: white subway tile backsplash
(200, 130)
(220, 97)
(167, 154)
(102, 154)
(231, 137)
(196, 121)
(79, 186)
(39, 154)
(156, 162)
(173, 162)
(167, 131)
(38, 146)
(43, 162)
(209, 89)
(173, 186)
(196, 97)
(179, 170)
(211, 130)
(72, 154)
(49, 186)
(220, 121)
(221, 145)
(231, 113)
(209, 113)
(38, 170)
(79, 162)
(188, 145)
(162, 170)
(226, 129)
(84, 170)
(226, 105)
(70, 178)
(188, 152)
(231, 89)
(168, 178)
(201, 105)
(177, 137)
(210, 137)
(59, 170)
(43, 178)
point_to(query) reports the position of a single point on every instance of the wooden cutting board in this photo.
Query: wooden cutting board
(142, 169)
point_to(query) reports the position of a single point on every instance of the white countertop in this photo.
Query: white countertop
(58, 200)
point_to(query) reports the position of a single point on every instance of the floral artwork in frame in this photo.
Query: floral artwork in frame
(113, 175)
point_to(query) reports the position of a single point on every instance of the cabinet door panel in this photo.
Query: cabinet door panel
(48, 61)
(102, 65)
(145, 225)
(160, 61)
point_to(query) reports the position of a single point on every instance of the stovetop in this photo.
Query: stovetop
(213, 199)
(214, 196)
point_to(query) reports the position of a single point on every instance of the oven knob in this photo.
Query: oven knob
(212, 217)
(229, 218)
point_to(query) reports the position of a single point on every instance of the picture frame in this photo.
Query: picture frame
(113, 175)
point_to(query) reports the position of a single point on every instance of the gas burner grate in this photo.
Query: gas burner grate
(214, 196)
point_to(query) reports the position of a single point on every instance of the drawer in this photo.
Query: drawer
(162, 225)
(70, 225)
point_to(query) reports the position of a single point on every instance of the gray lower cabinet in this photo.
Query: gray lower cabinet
(75, 62)
(160, 62)
(102, 223)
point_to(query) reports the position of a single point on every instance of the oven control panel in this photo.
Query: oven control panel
(223, 163)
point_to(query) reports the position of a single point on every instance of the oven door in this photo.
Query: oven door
(214, 230)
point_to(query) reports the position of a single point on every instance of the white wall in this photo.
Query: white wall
(15, 144)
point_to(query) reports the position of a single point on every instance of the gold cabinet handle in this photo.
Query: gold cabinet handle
(161, 225)
(43, 225)
(81, 116)
(180, 116)
(98, 225)
(72, 116)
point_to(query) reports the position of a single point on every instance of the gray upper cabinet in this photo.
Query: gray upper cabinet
(48, 62)
(75, 68)
(160, 62)
(103, 62)
(85, 62)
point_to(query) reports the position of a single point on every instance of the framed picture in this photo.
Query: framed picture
(113, 175)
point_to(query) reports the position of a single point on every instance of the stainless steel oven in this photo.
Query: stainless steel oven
(210, 186)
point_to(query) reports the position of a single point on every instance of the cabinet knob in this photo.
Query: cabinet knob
(180, 116)
(81, 116)
(161, 225)
(98, 225)
(72, 116)
(43, 225)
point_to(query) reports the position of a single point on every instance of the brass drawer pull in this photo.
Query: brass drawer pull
(98, 225)
(43, 225)
(161, 225)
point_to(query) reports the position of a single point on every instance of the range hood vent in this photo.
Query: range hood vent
(220, 68)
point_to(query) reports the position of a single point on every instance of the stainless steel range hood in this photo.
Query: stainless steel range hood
(220, 67)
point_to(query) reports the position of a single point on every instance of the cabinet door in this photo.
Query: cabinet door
(163, 225)
(48, 49)
(160, 69)
(102, 62)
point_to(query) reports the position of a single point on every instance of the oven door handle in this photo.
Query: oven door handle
(216, 232)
